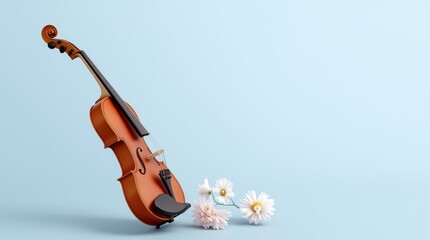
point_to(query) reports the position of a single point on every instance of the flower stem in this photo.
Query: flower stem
(233, 204)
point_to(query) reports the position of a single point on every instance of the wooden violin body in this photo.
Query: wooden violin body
(153, 194)
(130, 150)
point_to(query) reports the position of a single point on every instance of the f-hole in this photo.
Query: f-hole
(141, 161)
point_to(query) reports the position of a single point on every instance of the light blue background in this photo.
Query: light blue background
(323, 105)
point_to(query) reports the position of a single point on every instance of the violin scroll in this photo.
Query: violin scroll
(49, 32)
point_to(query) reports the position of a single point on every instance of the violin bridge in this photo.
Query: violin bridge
(155, 154)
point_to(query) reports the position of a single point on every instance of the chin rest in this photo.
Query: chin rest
(167, 205)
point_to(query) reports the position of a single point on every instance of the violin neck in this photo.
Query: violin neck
(108, 91)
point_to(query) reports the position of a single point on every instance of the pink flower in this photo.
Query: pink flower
(206, 215)
(204, 189)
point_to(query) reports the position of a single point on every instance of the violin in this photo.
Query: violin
(151, 191)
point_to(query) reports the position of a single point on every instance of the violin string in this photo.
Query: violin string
(162, 155)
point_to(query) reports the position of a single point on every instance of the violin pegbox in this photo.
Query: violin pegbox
(49, 32)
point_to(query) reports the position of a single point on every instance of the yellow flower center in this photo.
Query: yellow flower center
(256, 207)
(223, 192)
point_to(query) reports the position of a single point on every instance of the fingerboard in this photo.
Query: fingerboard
(135, 123)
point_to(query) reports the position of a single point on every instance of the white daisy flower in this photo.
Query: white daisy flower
(207, 216)
(204, 189)
(256, 209)
(224, 187)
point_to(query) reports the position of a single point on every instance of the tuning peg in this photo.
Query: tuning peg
(52, 45)
(62, 49)
(70, 52)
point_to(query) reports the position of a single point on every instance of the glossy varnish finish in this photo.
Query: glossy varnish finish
(119, 127)
(115, 133)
